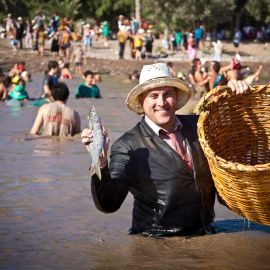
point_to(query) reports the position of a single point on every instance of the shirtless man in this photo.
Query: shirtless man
(56, 118)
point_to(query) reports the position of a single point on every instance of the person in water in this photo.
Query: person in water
(56, 118)
(160, 161)
(50, 78)
(88, 89)
(18, 91)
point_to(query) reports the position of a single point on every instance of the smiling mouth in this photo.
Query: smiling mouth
(162, 110)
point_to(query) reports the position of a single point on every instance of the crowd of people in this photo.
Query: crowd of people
(64, 34)
(54, 116)
(202, 77)
(205, 76)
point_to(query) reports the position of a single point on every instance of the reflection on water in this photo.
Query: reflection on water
(238, 225)
(48, 220)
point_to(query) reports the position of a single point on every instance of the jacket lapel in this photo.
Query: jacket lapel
(154, 138)
(189, 132)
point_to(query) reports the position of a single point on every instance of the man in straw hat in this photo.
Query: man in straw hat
(159, 161)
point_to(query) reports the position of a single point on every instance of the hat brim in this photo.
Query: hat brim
(183, 92)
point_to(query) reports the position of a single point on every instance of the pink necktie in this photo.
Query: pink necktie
(180, 149)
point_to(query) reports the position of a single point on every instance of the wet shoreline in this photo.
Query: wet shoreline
(104, 60)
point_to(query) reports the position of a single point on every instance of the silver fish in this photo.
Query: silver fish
(96, 147)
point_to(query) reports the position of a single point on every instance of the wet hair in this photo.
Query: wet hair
(195, 61)
(61, 61)
(135, 75)
(87, 73)
(21, 82)
(52, 64)
(66, 65)
(216, 66)
(60, 91)
(7, 80)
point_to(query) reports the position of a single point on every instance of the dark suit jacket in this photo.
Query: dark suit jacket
(166, 194)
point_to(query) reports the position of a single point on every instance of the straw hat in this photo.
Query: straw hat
(154, 76)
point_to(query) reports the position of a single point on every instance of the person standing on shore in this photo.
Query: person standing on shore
(28, 35)
(19, 31)
(149, 42)
(41, 37)
(191, 47)
(9, 24)
(217, 45)
(78, 58)
(198, 32)
(87, 38)
(237, 39)
(121, 37)
(106, 32)
(159, 161)
(178, 40)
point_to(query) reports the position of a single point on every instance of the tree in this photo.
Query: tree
(138, 11)
(64, 8)
(259, 10)
(239, 11)
(181, 14)
(15, 7)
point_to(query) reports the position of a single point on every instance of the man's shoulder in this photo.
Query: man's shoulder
(46, 105)
(82, 85)
(129, 136)
(45, 108)
(95, 86)
(81, 88)
(134, 130)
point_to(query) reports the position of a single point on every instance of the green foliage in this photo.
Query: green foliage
(109, 10)
(183, 15)
(64, 8)
(169, 14)
(15, 7)
(2, 16)
(259, 10)
(67, 8)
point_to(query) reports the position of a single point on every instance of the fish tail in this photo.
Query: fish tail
(95, 170)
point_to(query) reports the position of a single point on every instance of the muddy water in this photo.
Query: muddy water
(48, 219)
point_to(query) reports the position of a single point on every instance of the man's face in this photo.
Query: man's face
(159, 105)
(89, 80)
(198, 64)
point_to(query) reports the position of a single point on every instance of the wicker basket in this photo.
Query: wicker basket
(234, 132)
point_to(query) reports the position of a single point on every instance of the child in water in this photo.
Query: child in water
(65, 72)
(18, 91)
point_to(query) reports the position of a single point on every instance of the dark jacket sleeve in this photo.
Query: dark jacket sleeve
(110, 192)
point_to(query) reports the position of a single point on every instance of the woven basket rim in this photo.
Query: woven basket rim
(214, 95)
